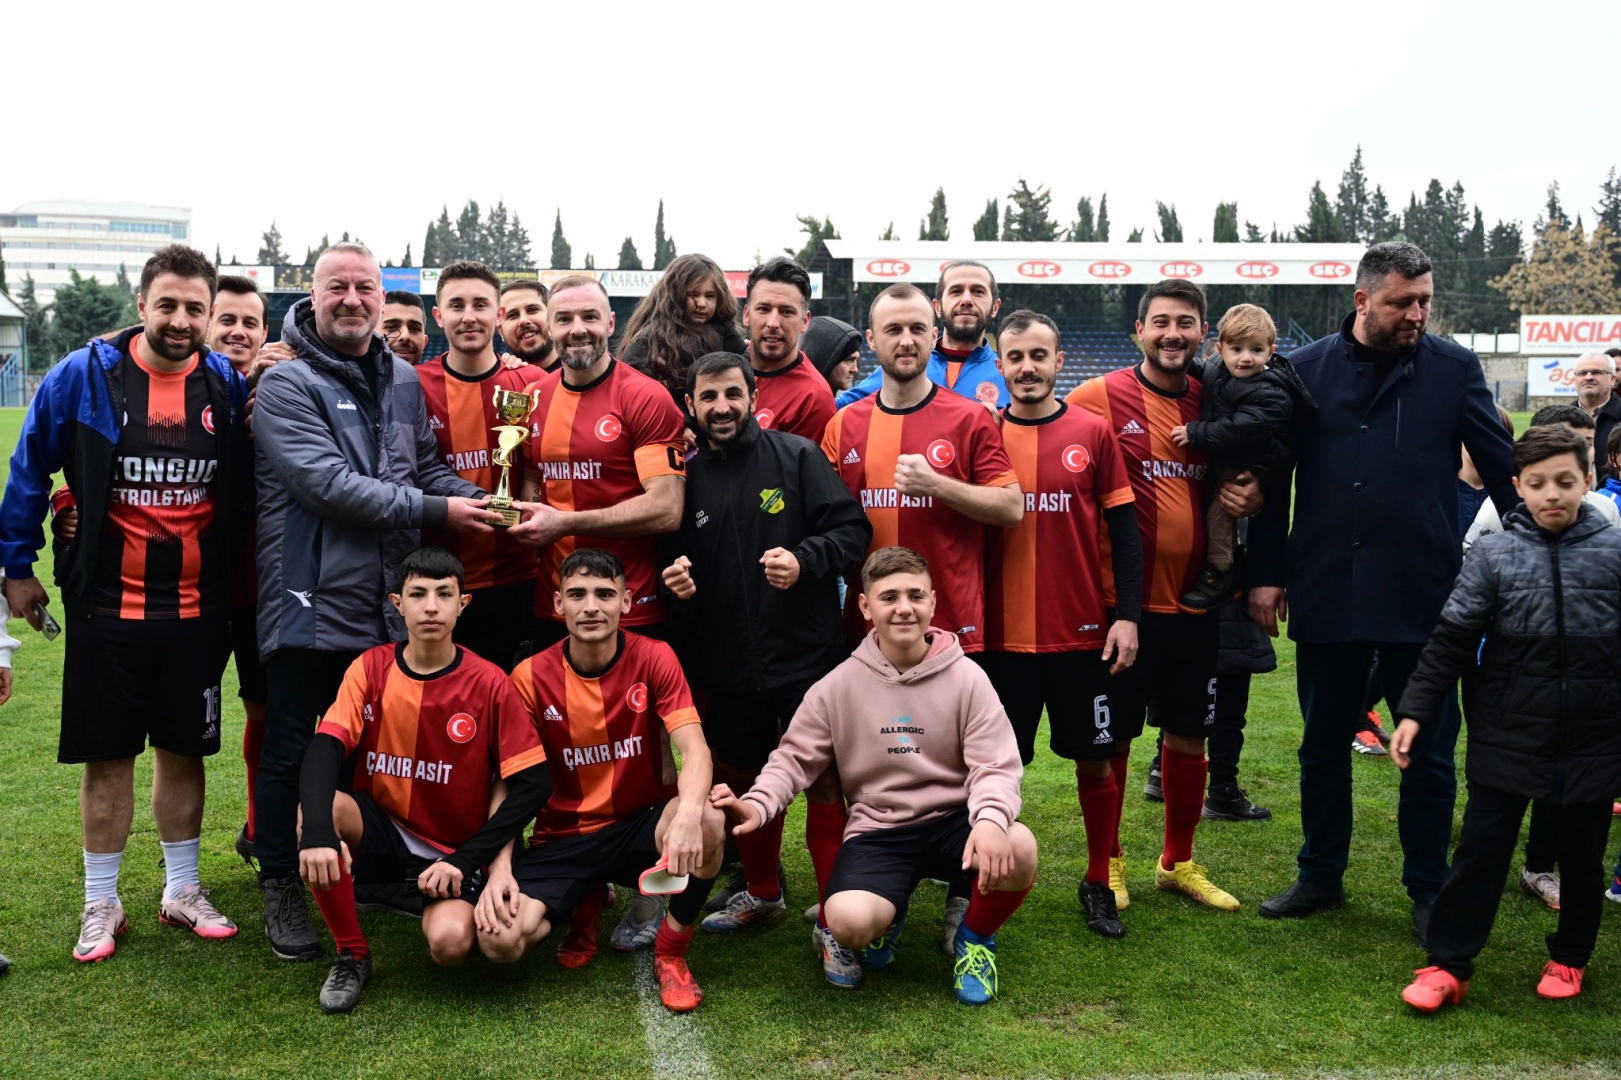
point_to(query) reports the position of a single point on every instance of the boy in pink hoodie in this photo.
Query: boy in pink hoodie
(930, 766)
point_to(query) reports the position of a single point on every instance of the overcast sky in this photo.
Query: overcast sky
(741, 116)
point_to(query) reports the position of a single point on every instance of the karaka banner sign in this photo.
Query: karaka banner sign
(1569, 334)
(1106, 264)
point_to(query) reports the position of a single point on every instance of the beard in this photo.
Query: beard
(967, 336)
(167, 349)
(708, 432)
(330, 331)
(1386, 337)
(538, 357)
(1155, 361)
(581, 355)
(891, 366)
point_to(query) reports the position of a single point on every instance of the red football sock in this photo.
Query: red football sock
(1117, 765)
(587, 913)
(824, 835)
(253, 743)
(1100, 811)
(759, 852)
(672, 942)
(337, 906)
(988, 911)
(1183, 778)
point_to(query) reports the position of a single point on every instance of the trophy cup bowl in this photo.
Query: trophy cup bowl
(512, 409)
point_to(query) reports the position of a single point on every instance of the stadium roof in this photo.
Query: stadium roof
(1060, 263)
(8, 309)
(96, 209)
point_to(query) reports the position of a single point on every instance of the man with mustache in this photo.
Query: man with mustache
(966, 300)
(1370, 557)
(1173, 682)
(523, 323)
(403, 325)
(348, 474)
(792, 394)
(764, 630)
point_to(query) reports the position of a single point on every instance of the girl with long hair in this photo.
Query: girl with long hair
(689, 312)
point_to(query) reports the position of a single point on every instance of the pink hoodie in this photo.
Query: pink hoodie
(909, 745)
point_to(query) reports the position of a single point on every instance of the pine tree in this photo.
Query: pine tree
(628, 259)
(217, 259)
(815, 232)
(1028, 214)
(83, 309)
(1351, 201)
(122, 282)
(663, 245)
(441, 248)
(1135, 237)
(1322, 223)
(497, 250)
(590, 262)
(470, 234)
(1382, 224)
(405, 260)
(936, 225)
(1225, 228)
(1252, 233)
(1566, 271)
(562, 254)
(889, 233)
(36, 325)
(1170, 228)
(311, 254)
(270, 252)
(1606, 213)
(1103, 218)
(1083, 230)
(518, 245)
(986, 227)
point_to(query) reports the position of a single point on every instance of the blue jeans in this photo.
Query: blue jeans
(1332, 681)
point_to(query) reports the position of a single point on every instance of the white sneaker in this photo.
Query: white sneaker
(99, 928)
(1543, 886)
(193, 910)
(745, 909)
(956, 908)
(838, 963)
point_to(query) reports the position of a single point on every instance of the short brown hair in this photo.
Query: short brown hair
(1246, 322)
(901, 290)
(575, 281)
(526, 283)
(1542, 443)
(181, 261)
(466, 270)
(243, 286)
(1176, 289)
(958, 264)
(1023, 319)
(1507, 421)
(892, 560)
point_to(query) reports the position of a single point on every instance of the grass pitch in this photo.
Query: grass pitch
(1189, 991)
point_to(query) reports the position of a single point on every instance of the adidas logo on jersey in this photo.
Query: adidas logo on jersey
(433, 422)
(551, 713)
(852, 458)
(1131, 428)
(1103, 739)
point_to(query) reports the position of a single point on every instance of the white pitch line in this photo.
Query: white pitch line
(675, 1042)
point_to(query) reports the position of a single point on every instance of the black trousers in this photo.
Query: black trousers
(1226, 741)
(1467, 905)
(303, 685)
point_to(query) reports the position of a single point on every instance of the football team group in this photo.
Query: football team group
(522, 632)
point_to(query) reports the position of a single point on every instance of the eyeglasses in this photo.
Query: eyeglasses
(1590, 371)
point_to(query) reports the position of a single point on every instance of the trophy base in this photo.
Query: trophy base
(509, 513)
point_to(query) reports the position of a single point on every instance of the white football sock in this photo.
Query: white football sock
(180, 866)
(101, 875)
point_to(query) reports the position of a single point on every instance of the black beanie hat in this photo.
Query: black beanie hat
(828, 340)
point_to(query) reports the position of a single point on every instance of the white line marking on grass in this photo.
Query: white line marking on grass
(675, 1042)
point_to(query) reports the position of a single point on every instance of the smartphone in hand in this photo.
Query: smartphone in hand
(47, 625)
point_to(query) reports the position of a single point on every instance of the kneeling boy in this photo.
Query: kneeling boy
(935, 794)
(608, 704)
(448, 769)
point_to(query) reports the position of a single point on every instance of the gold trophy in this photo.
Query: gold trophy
(512, 409)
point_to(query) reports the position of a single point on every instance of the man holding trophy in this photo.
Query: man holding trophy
(479, 411)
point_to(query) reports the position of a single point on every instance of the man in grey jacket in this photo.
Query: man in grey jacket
(348, 473)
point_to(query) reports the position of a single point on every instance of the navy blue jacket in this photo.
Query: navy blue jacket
(1374, 547)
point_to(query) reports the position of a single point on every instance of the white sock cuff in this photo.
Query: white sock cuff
(101, 875)
(180, 866)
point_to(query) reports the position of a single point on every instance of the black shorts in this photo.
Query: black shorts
(1074, 689)
(126, 682)
(562, 872)
(890, 862)
(1173, 682)
(253, 683)
(743, 728)
(384, 857)
(499, 624)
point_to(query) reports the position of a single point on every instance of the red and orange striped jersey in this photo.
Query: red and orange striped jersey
(795, 399)
(161, 556)
(959, 438)
(461, 411)
(1044, 579)
(1167, 480)
(594, 447)
(428, 748)
(606, 733)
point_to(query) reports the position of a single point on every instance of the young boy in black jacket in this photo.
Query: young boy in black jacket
(1545, 719)
(1252, 401)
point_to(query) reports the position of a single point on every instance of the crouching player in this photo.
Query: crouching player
(935, 794)
(608, 704)
(448, 770)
